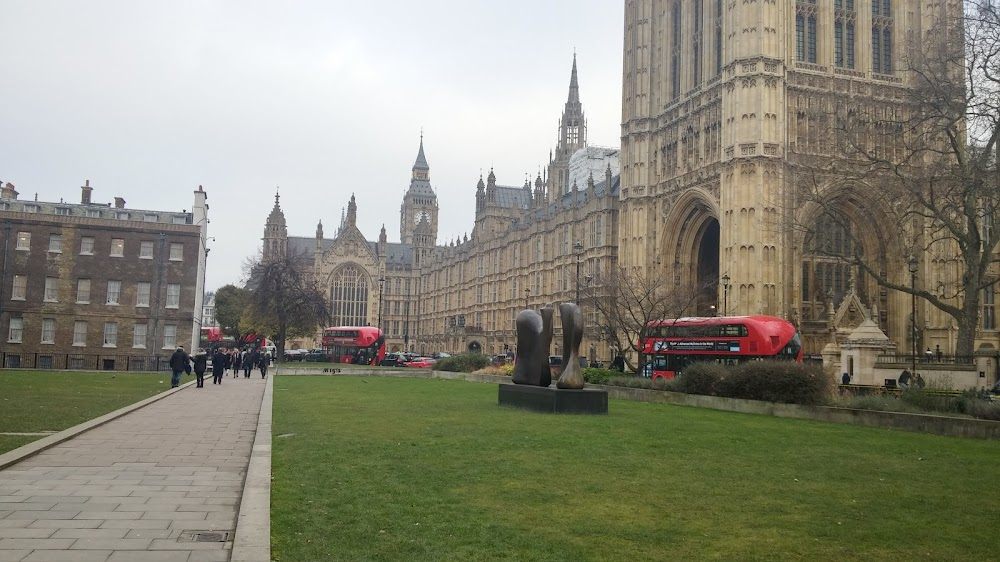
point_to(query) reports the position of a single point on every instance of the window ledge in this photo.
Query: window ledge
(79, 345)
(49, 300)
(138, 347)
(48, 343)
(17, 298)
(55, 251)
(110, 345)
(86, 253)
(117, 256)
(13, 341)
(145, 257)
(172, 307)
(82, 302)
(142, 306)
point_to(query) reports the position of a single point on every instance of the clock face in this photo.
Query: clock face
(419, 216)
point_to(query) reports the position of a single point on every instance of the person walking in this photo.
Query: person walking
(218, 366)
(200, 366)
(237, 364)
(247, 361)
(262, 362)
(179, 363)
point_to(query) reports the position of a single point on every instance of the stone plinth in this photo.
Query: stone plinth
(553, 400)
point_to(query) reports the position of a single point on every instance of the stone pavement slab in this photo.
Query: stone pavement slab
(135, 488)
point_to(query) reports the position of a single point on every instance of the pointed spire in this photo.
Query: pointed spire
(480, 186)
(574, 86)
(421, 163)
(319, 230)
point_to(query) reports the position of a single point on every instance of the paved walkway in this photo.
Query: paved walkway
(139, 488)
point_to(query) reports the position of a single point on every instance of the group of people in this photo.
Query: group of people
(247, 360)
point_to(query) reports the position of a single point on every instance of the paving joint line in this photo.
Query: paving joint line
(15, 456)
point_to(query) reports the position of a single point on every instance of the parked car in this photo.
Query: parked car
(421, 363)
(394, 360)
(555, 363)
(295, 354)
(316, 356)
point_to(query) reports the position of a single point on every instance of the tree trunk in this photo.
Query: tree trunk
(280, 348)
(968, 321)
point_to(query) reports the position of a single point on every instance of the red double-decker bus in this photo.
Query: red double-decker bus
(363, 345)
(669, 346)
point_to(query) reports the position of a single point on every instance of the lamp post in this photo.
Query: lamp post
(527, 293)
(913, 264)
(381, 283)
(725, 294)
(578, 249)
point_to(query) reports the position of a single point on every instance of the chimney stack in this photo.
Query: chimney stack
(119, 203)
(86, 191)
(8, 192)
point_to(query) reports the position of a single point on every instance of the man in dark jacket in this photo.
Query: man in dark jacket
(200, 366)
(179, 362)
(218, 366)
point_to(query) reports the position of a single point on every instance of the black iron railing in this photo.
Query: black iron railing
(85, 361)
(924, 359)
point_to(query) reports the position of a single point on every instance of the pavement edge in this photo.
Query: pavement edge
(253, 525)
(15, 456)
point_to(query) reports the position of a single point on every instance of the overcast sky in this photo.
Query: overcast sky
(148, 100)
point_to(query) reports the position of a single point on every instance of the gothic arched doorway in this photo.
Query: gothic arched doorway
(708, 269)
(691, 248)
(475, 347)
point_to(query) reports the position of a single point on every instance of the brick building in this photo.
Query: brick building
(97, 285)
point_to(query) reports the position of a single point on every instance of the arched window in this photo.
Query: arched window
(826, 267)
(349, 297)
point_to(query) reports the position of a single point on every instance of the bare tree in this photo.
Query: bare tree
(284, 294)
(626, 300)
(929, 164)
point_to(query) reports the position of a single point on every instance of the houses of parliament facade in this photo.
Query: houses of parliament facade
(723, 110)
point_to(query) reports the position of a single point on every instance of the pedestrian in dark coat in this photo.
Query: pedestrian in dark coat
(200, 366)
(262, 362)
(179, 362)
(247, 360)
(218, 366)
(236, 363)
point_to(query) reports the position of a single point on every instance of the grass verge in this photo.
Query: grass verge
(33, 401)
(413, 469)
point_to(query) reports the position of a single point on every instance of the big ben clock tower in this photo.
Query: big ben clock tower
(418, 215)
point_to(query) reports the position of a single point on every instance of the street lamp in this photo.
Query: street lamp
(725, 294)
(578, 249)
(381, 283)
(913, 264)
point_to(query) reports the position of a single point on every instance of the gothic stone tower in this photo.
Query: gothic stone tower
(418, 214)
(572, 137)
(275, 234)
(724, 105)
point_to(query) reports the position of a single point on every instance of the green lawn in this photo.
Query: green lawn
(35, 401)
(413, 469)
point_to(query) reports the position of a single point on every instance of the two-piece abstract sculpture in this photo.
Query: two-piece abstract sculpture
(532, 375)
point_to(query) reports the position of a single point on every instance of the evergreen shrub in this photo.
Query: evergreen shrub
(777, 381)
(700, 378)
(467, 362)
(599, 376)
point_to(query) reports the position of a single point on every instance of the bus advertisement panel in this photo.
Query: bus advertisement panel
(668, 346)
(362, 345)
